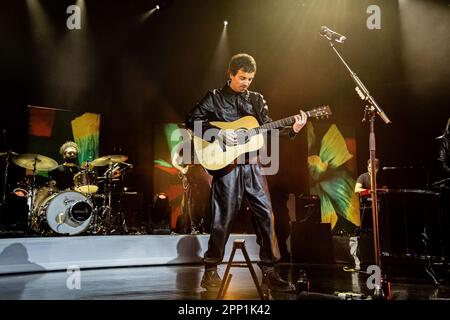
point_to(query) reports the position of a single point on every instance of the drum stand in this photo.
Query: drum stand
(110, 222)
(31, 191)
(95, 216)
(121, 215)
(5, 183)
(108, 207)
(428, 264)
(94, 208)
(5, 179)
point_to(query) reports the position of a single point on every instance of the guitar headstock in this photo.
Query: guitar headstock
(322, 112)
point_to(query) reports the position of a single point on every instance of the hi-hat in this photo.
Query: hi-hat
(28, 161)
(106, 160)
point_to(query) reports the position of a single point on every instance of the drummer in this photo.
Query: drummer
(63, 174)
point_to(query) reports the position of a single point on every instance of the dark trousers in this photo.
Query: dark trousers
(227, 194)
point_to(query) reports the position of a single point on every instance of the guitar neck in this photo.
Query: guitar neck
(285, 122)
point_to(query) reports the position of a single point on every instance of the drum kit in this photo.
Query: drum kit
(86, 207)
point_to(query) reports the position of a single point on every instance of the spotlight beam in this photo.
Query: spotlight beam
(147, 14)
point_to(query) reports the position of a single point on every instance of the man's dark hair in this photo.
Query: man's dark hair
(377, 163)
(242, 61)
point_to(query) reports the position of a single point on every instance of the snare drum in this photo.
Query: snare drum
(86, 182)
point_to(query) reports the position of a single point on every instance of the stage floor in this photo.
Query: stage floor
(182, 282)
(36, 254)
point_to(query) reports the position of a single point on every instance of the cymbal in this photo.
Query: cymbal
(27, 161)
(106, 160)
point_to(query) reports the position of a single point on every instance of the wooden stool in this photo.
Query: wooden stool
(238, 244)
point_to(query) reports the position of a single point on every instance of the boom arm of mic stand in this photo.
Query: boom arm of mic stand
(363, 88)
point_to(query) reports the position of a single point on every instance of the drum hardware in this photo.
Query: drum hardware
(118, 170)
(113, 173)
(428, 263)
(8, 155)
(110, 225)
(60, 217)
(97, 207)
(35, 162)
(440, 183)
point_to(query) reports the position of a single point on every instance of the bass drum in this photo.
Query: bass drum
(67, 212)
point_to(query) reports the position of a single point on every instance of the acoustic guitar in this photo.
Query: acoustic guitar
(216, 155)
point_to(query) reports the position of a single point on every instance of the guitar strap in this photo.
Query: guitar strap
(255, 107)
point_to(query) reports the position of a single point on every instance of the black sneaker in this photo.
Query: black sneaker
(275, 283)
(211, 280)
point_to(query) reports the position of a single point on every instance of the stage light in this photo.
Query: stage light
(225, 23)
(147, 14)
(161, 214)
(157, 7)
(41, 26)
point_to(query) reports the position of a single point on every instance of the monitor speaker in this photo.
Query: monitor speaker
(133, 208)
(312, 243)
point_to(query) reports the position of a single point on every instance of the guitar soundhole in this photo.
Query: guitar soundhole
(243, 136)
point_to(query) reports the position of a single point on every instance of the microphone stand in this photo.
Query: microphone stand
(31, 198)
(91, 198)
(5, 180)
(5, 177)
(371, 109)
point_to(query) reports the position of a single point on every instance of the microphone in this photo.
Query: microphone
(331, 35)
